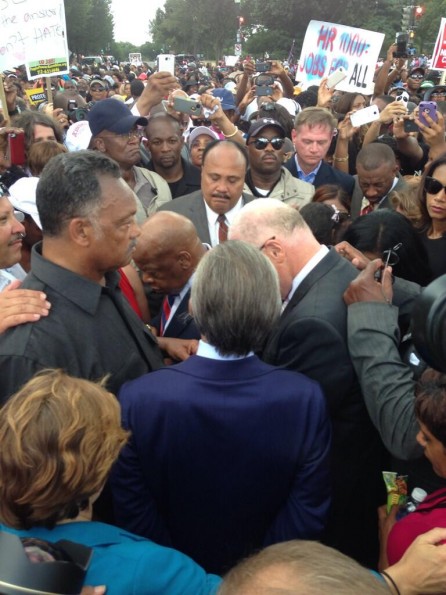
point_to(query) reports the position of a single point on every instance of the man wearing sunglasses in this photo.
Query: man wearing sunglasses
(266, 176)
(414, 80)
(17, 306)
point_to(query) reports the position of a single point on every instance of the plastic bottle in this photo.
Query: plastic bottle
(416, 498)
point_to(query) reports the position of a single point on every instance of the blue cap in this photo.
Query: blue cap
(113, 116)
(226, 98)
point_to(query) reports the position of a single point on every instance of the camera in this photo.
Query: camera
(263, 66)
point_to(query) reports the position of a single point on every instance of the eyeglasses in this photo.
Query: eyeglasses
(19, 216)
(417, 77)
(265, 243)
(97, 88)
(262, 143)
(391, 257)
(126, 135)
(433, 186)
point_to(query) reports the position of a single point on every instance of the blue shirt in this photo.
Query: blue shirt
(307, 177)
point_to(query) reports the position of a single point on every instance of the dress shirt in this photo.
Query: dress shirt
(306, 177)
(90, 332)
(304, 272)
(11, 274)
(209, 351)
(213, 223)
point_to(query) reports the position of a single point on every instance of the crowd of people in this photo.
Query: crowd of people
(207, 282)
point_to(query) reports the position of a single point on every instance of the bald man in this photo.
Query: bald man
(167, 254)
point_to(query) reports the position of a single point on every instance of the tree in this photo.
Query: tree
(89, 26)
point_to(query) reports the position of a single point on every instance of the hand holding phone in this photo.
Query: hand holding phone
(364, 116)
(16, 148)
(336, 77)
(427, 108)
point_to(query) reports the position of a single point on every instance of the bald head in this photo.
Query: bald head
(168, 251)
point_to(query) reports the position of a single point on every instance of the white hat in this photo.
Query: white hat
(290, 105)
(198, 131)
(22, 196)
(78, 136)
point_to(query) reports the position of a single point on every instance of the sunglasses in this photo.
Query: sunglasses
(262, 143)
(416, 76)
(433, 186)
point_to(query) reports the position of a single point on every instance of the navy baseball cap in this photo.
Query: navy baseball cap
(226, 98)
(113, 116)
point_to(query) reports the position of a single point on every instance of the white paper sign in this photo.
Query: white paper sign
(33, 33)
(328, 46)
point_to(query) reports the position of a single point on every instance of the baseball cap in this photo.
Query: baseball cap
(78, 136)
(427, 85)
(198, 131)
(258, 125)
(22, 196)
(114, 116)
(226, 98)
(98, 82)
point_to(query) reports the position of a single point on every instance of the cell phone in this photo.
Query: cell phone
(365, 116)
(427, 108)
(401, 45)
(166, 63)
(16, 148)
(336, 77)
(72, 105)
(264, 91)
(410, 126)
(263, 66)
(263, 80)
(187, 106)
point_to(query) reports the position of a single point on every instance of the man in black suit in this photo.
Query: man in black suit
(311, 338)
(167, 255)
(213, 208)
(313, 132)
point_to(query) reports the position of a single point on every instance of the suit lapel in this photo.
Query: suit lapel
(181, 318)
(199, 218)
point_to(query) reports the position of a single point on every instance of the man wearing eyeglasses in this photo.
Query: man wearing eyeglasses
(266, 176)
(116, 134)
(17, 306)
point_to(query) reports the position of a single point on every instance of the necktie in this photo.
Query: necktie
(222, 228)
(165, 311)
(366, 210)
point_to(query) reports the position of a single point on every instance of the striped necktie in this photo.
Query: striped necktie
(166, 309)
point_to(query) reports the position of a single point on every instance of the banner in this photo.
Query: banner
(439, 55)
(33, 33)
(328, 46)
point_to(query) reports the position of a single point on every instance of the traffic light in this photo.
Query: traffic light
(241, 20)
(419, 11)
(407, 18)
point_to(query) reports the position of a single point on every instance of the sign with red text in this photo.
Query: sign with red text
(439, 55)
(328, 46)
(33, 33)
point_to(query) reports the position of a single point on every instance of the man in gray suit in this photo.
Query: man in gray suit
(213, 208)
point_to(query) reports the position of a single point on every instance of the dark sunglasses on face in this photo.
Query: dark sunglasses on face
(433, 186)
(262, 143)
(416, 76)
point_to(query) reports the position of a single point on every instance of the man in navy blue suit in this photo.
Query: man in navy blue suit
(313, 132)
(227, 454)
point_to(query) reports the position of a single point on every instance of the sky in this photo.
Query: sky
(132, 21)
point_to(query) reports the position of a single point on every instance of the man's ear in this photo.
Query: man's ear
(185, 260)
(97, 144)
(81, 231)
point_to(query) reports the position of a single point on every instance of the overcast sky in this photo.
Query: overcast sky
(132, 21)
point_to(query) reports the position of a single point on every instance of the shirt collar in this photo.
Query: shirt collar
(306, 270)
(77, 289)
(209, 351)
(307, 177)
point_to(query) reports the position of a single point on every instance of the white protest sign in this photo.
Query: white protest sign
(439, 55)
(35, 35)
(328, 46)
(135, 58)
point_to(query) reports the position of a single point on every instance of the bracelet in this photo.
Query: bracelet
(232, 134)
(391, 581)
(340, 159)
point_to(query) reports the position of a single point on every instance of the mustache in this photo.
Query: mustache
(220, 195)
(16, 237)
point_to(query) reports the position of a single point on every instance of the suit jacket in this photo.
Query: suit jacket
(311, 337)
(192, 207)
(224, 458)
(355, 209)
(182, 324)
(326, 175)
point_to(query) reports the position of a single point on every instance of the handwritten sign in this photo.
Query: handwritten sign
(439, 55)
(36, 96)
(35, 35)
(328, 46)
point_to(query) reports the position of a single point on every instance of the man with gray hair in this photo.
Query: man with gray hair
(246, 444)
(311, 338)
(87, 213)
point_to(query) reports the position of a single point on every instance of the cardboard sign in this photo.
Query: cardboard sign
(36, 96)
(33, 33)
(439, 55)
(328, 46)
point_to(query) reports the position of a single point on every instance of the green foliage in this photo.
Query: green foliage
(89, 26)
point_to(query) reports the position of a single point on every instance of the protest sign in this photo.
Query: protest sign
(36, 96)
(35, 35)
(135, 58)
(328, 46)
(439, 55)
